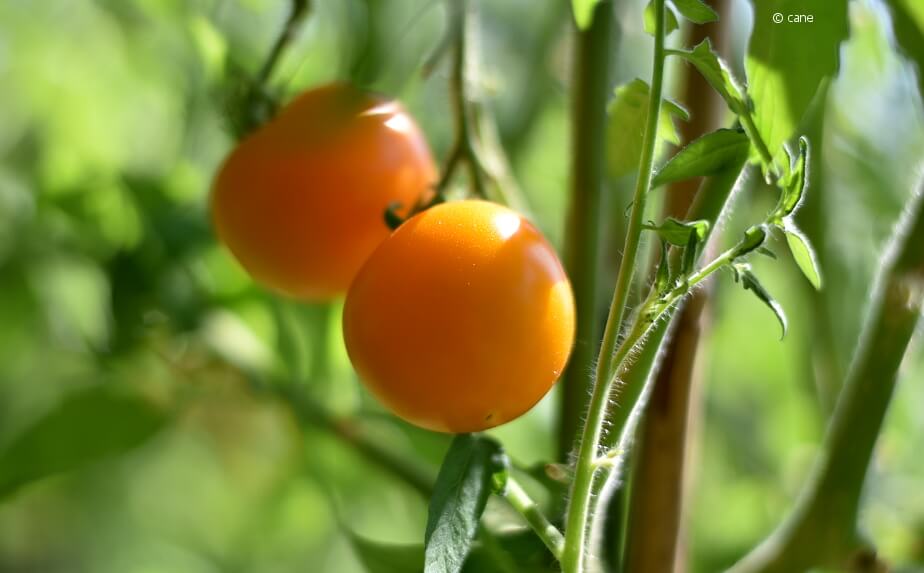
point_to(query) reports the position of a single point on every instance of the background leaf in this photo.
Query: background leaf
(87, 426)
(908, 23)
(626, 115)
(787, 62)
(670, 24)
(461, 492)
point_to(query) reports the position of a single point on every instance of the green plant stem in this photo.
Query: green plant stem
(517, 497)
(578, 515)
(257, 106)
(822, 530)
(584, 225)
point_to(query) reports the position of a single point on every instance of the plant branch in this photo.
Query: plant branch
(257, 106)
(578, 515)
(821, 532)
(584, 225)
(517, 497)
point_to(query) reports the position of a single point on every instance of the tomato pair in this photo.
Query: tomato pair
(460, 320)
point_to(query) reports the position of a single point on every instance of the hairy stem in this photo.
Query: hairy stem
(517, 497)
(584, 226)
(578, 515)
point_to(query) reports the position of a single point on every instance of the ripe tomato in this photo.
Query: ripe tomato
(462, 319)
(300, 202)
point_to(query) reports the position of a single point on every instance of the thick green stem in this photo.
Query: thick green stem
(822, 530)
(584, 228)
(517, 497)
(578, 516)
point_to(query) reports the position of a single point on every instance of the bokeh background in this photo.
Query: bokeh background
(113, 118)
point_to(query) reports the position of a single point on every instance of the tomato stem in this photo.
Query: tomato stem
(519, 500)
(610, 358)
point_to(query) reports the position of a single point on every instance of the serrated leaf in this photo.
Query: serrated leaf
(670, 19)
(584, 12)
(462, 488)
(749, 282)
(788, 61)
(803, 254)
(707, 155)
(677, 232)
(794, 183)
(696, 11)
(87, 426)
(716, 73)
(626, 117)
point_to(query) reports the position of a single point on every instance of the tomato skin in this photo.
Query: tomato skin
(462, 320)
(300, 202)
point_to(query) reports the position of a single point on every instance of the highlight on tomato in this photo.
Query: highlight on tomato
(300, 201)
(462, 320)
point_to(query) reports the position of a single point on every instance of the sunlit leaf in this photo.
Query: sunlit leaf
(803, 254)
(787, 61)
(707, 155)
(794, 183)
(714, 70)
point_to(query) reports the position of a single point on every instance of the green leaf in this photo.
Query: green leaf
(908, 23)
(716, 73)
(803, 253)
(379, 557)
(583, 12)
(678, 232)
(696, 11)
(462, 488)
(707, 155)
(87, 426)
(794, 183)
(670, 22)
(788, 61)
(749, 282)
(626, 116)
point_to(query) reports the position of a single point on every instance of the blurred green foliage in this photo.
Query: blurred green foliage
(112, 120)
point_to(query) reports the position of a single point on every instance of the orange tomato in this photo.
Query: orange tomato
(462, 320)
(300, 202)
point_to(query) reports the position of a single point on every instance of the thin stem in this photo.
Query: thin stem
(458, 91)
(256, 106)
(584, 225)
(517, 497)
(747, 122)
(578, 515)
